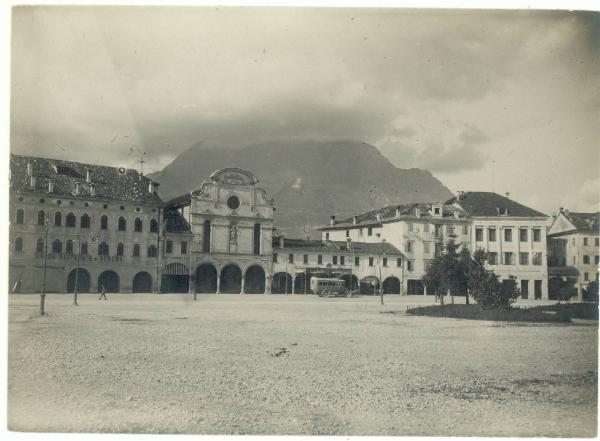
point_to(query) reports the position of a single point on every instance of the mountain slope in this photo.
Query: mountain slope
(309, 180)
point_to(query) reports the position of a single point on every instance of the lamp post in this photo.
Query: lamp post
(381, 263)
(43, 294)
(76, 289)
(349, 240)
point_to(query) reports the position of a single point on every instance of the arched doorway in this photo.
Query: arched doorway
(351, 281)
(369, 285)
(175, 278)
(142, 282)
(83, 281)
(302, 283)
(110, 281)
(391, 285)
(231, 279)
(206, 279)
(282, 283)
(254, 280)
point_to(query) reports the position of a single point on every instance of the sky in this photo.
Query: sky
(505, 101)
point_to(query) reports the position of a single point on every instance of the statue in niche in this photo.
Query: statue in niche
(233, 234)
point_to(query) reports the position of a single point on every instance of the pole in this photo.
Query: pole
(380, 263)
(190, 288)
(287, 259)
(43, 295)
(77, 273)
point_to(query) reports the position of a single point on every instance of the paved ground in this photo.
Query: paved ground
(232, 364)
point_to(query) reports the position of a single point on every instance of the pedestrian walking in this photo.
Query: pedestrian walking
(102, 293)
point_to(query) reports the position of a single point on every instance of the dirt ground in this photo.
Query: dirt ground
(231, 364)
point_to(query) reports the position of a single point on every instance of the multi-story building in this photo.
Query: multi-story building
(574, 243)
(418, 230)
(92, 224)
(514, 237)
(362, 265)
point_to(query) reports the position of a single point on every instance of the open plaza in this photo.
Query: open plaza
(292, 364)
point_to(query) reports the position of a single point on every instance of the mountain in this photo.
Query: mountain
(309, 180)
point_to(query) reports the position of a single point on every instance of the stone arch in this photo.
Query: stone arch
(367, 286)
(142, 282)
(110, 280)
(282, 283)
(302, 283)
(351, 281)
(83, 280)
(231, 279)
(206, 278)
(391, 285)
(175, 278)
(254, 280)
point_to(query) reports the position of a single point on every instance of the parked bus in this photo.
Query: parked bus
(328, 287)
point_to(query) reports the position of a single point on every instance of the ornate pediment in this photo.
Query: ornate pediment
(234, 176)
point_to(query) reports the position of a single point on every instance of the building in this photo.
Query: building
(514, 237)
(574, 247)
(418, 230)
(92, 224)
(362, 265)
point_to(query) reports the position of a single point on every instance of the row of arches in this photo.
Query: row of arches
(141, 283)
(207, 279)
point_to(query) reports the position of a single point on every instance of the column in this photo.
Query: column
(293, 284)
(424, 289)
(268, 284)
(243, 285)
(219, 281)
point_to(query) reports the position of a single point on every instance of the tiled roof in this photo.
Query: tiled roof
(585, 221)
(303, 245)
(179, 201)
(489, 204)
(109, 183)
(175, 222)
(389, 213)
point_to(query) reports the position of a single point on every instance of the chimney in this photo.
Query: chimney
(459, 195)
(92, 190)
(353, 220)
(378, 217)
(281, 241)
(150, 187)
(332, 220)
(507, 195)
(29, 168)
(417, 212)
(397, 211)
(50, 185)
(561, 209)
(155, 189)
(32, 181)
(77, 188)
(88, 175)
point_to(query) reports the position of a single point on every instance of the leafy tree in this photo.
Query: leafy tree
(449, 271)
(591, 293)
(560, 289)
(487, 290)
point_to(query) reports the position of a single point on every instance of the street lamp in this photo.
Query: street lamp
(381, 254)
(43, 294)
(349, 240)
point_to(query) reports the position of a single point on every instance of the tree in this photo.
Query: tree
(560, 289)
(448, 272)
(487, 290)
(591, 293)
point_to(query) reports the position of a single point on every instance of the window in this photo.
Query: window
(120, 250)
(169, 247)
(493, 258)
(290, 258)
(408, 246)
(138, 225)
(523, 236)
(305, 259)
(492, 235)
(537, 235)
(327, 236)
(356, 260)
(586, 277)
(426, 248)
(69, 247)
(370, 261)
(342, 260)
(84, 221)
(536, 259)
(436, 210)
(369, 231)
(104, 222)
(18, 245)
(347, 233)
(57, 219)
(334, 260)
(103, 249)
(524, 289)
(275, 257)
(57, 247)
(410, 265)
(597, 241)
(597, 259)
(410, 226)
(586, 260)
(537, 289)
(20, 216)
(508, 235)
(320, 259)
(206, 237)
(153, 226)
(508, 258)
(152, 251)
(40, 246)
(233, 202)
(183, 247)
(257, 240)
(385, 261)
(41, 217)
(585, 241)
(84, 248)
(465, 229)
(122, 225)
(398, 262)
(479, 234)
(523, 258)
(426, 228)
(136, 250)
